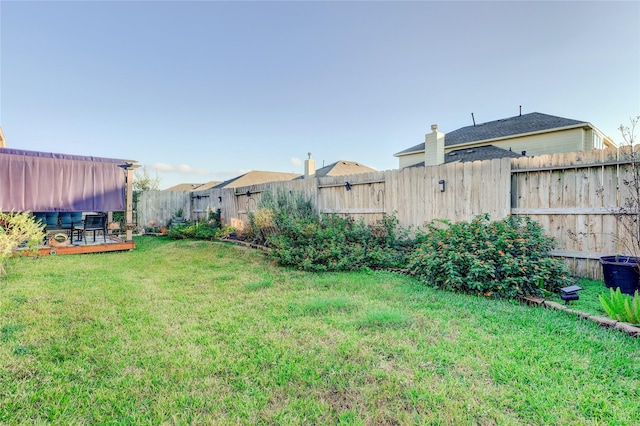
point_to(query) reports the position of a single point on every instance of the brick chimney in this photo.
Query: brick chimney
(434, 147)
(309, 167)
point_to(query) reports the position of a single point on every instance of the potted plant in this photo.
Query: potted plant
(153, 228)
(178, 216)
(620, 271)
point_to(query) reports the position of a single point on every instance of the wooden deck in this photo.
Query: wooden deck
(79, 247)
(84, 249)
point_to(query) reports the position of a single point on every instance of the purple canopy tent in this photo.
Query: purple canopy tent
(43, 181)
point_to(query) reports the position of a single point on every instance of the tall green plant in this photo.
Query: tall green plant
(278, 209)
(287, 204)
(620, 306)
(17, 229)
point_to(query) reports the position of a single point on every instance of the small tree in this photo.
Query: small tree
(142, 181)
(628, 214)
(17, 229)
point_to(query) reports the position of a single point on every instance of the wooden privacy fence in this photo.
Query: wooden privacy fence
(574, 197)
(414, 194)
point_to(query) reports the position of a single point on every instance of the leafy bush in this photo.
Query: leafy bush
(286, 204)
(18, 229)
(225, 231)
(196, 230)
(276, 210)
(621, 307)
(334, 243)
(505, 258)
(262, 217)
(203, 230)
(214, 217)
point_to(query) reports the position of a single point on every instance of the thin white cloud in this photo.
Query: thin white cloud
(296, 161)
(179, 168)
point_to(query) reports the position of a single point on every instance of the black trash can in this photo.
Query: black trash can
(621, 272)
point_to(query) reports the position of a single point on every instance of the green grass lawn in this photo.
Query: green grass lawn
(183, 332)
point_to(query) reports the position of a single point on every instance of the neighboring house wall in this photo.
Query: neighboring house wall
(554, 142)
(534, 133)
(547, 143)
(411, 159)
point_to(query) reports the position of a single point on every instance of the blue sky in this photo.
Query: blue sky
(201, 91)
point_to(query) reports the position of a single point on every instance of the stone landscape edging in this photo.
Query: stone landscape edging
(606, 322)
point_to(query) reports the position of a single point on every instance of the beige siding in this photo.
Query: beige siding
(410, 159)
(547, 143)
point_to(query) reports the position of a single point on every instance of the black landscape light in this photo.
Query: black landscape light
(570, 293)
(441, 183)
(248, 193)
(220, 198)
(348, 186)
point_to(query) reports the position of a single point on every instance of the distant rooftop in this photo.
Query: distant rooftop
(521, 124)
(256, 177)
(477, 153)
(343, 168)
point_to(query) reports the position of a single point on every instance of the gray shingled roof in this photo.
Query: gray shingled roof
(477, 153)
(527, 123)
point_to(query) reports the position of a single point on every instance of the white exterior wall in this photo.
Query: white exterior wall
(570, 140)
(547, 143)
(410, 159)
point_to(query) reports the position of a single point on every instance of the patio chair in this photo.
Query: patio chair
(51, 220)
(40, 217)
(69, 219)
(92, 222)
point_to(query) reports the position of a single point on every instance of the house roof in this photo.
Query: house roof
(256, 177)
(184, 187)
(193, 186)
(343, 168)
(207, 185)
(477, 153)
(521, 124)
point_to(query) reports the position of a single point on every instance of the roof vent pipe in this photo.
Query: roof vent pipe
(474, 120)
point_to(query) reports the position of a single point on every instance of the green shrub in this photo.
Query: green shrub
(621, 307)
(225, 231)
(276, 210)
(182, 231)
(18, 229)
(286, 204)
(334, 243)
(505, 258)
(214, 217)
(203, 230)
